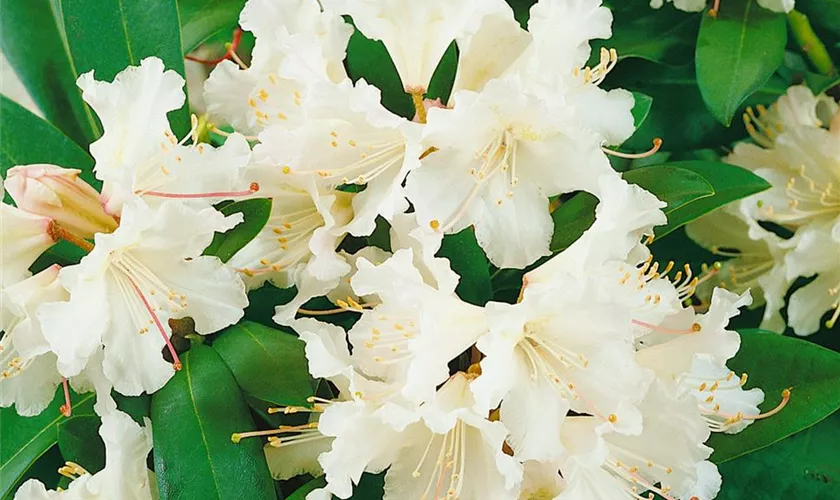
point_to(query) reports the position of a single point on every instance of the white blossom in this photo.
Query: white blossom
(123, 293)
(23, 238)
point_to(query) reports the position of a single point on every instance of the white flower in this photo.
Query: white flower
(562, 347)
(349, 138)
(698, 5)
(817, 252)
(138, 155)
(60, 194)
(448, 450)
(29, 376)
(296, 45)
(23, 238)
(125, 475)
(416, 34)
(756, 265)
(409, 338)
(541, 481)
(625, 214)
(297, 247)
(668, 457)
(125, 290)
(495, 166)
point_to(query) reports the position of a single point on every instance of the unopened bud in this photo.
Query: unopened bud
(59, 193)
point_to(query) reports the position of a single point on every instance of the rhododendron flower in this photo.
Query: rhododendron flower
(349, 138)
(415, 51)
(125, 475)
(60, 194)
(138, 155)
(296, 45)
(123, 293)
(667, 458)
(23, 238)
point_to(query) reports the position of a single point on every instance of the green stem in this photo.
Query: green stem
(811, 45)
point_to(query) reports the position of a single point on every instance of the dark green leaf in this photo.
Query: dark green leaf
(80, 442)
(300, 493)
(109, 35)
(736, 53)
(262, 302)
(195, 415)
(26, 139)
(664, 36)
(256, 213)
(823, 13)
(25, 439)
(138, 407)
(440, 86)
(774, 363)
(641, 108)
(729, 183)
(676, 186)
(802, 466)
(678, 114)
(820, 83)
(268, 364)
(202, 19)
(32, 38)
(468, 260)
(369, 59)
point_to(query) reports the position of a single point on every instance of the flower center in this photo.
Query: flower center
(9, 357)
(364, 157)
(276, 100)
(290, 232)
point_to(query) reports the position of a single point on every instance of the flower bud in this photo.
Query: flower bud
(59, 193)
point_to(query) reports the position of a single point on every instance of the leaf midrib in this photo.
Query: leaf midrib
(201, 430)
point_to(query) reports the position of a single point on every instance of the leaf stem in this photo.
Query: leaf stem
(810, 43)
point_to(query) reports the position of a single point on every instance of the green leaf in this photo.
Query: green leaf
(468, 260)
(678, 114)
(25, 139)
(256, 213)
(802, 466)
(25, 439)
(268, 364)
(823, 13)
(774, 363)
(440, 87)
(678, 187)
(641, 108)
(202, 19)
(80, 442)
(820, 83)
(729, 183)
(195, 414)
(664, 36)
(32, 39)
(369, 59)
(300, 493)
(736, 53)
(109, 35)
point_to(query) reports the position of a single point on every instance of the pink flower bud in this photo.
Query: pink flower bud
(59, 193)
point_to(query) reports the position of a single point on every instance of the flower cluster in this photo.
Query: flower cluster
(599, 382)
(793, 229)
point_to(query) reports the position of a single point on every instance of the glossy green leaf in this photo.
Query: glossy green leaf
(468, 260)
(369, 59)
(729, 183)
(32, 39)
(774, 363)
(25, 439)
(25, 139)
(677, 115)
(109, 35)
(195, 414)
(736, 53)
(802, 466)
(666, 36)
(300, 493)
(256, 213)
(202, 19)
(676, 186)
(440, 87)
(80, 442)
(641, 108)
(268, 364)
